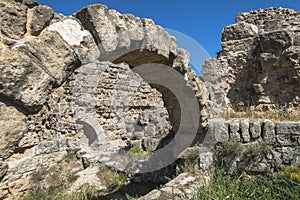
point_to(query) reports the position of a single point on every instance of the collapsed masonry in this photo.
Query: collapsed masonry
(259, 61)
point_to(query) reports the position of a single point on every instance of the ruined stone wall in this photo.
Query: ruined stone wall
(258, 64)
(255, 146)
(58, 72)
(123, 104)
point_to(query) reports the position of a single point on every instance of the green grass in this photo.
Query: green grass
(136, 151)
(110, 178)
(268, 186)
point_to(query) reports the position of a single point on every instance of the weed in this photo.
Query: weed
(234, 157)
(148, 151)
(135, 151)
(293, 173)
(256, 151)
(119, 179)
(72, 177)
(51, 183)
(229, 150)
(85, 191)
(189, 161)
(110, 178)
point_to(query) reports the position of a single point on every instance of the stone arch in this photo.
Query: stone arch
(129, 39)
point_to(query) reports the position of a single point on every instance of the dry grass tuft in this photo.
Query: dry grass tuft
(273, 112)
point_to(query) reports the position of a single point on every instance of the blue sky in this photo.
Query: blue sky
(202, 21)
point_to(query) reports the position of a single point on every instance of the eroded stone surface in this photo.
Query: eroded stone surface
(12, 21)
(3, 169)
(12, 128)
(76, 36)
(183, 186)
(113, 31)
(22, 80)
(38, 18)
(56, 57)
(258, 61)
(288, 133)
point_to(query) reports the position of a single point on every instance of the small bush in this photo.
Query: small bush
(226, 153)
(234, 157)
(255, 151)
